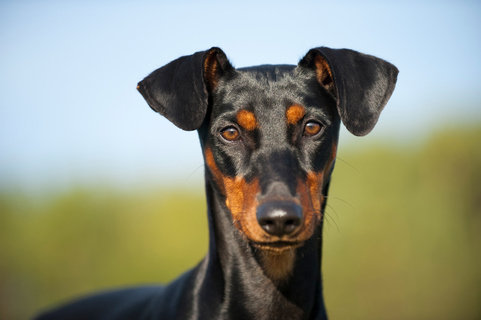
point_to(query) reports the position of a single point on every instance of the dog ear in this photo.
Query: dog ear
(361, 84)
(180, 90)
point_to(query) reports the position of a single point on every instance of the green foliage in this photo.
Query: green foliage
(402, 236)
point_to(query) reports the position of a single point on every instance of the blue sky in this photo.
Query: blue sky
(70, 114)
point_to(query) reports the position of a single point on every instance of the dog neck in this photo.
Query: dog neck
(237, 272)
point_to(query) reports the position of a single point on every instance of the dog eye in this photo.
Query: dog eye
(312, 128)
(230, 133)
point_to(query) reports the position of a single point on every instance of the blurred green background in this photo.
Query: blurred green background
(402, 235)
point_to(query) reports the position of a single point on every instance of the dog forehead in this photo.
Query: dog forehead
(262, 90)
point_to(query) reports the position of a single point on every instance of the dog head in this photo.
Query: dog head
(269, 133)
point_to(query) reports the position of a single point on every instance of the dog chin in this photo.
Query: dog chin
(277, 259)
(277, 247)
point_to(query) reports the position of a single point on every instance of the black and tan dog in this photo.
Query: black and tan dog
(269, 136)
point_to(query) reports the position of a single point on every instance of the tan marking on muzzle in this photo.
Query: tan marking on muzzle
(241, 200)
(310, 192)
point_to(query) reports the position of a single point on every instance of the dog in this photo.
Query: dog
(269, 137)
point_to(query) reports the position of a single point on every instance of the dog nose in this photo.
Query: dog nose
(279, 218)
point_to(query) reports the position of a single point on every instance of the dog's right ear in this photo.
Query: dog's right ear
(180, 90)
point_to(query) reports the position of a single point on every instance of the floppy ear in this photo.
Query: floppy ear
(362, 84)
(180, 90)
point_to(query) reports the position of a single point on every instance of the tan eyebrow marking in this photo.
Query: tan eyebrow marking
(295, 113)
(247, 120)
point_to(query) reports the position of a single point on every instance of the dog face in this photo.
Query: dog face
(269, 134)
(269, 149)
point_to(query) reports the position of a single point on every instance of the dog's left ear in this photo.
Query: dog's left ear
(361, 84)
(180, 90)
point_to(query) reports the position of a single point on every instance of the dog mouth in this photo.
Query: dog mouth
(278, 246)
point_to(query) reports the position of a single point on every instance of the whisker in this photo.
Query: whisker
(342, 200)
(193, 172)
(333, 210)
(348, 164)
(326, 214)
